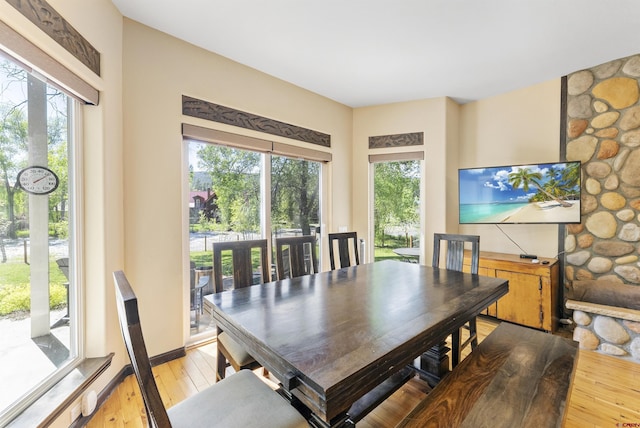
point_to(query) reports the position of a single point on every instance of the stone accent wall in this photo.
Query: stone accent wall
(603, 131)
(607, 334)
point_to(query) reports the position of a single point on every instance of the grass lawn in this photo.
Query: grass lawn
(15, 289)
(385, 253)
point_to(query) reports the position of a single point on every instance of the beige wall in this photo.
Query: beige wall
(102, 198)
(158, 70)
(518, 127)
(134, 190)
(438, 120)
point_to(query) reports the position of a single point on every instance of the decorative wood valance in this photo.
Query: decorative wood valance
(397, 140)
(217, 113)
(45, 17)
(34, 60)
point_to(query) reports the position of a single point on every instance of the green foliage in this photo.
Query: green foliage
(17, 298)
(204, 224)
(15, 289)
(59, 230)
(235, 178)
(383, 253)
(294, 193)
(14, 298)
(397, 195)
(202, 258)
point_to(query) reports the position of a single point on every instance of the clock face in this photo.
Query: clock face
(38, 180)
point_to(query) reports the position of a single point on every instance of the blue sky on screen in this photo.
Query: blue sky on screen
(490, 185)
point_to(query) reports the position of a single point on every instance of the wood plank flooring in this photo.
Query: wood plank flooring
(605, 391)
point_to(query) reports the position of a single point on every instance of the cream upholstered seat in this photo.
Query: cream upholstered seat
(241, 400)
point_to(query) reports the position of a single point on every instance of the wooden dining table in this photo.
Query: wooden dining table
(333, 338)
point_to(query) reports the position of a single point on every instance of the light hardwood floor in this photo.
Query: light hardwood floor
(605, 391)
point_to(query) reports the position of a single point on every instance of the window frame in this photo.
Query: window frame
(36, 62)
(267, 148)
(394, 156)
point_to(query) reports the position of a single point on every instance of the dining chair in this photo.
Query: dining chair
(63, 265)
(241, 400)
(197, 292)
(296, 256)
(454, 261)
(243, 276)
(347, 244)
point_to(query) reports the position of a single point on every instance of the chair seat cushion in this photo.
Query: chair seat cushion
(236, 351)
(240, 400)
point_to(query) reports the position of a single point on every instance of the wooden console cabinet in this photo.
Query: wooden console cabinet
(533, 289)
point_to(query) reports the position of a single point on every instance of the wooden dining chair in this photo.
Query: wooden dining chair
(454, 261)
(243, 276)
(241, 400)
(63, 265)
(347, 244)
(296, 256)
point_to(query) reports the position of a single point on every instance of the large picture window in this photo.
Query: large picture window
(245, 191)
(38, 317)
(396, 206)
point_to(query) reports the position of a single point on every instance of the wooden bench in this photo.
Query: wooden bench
(517, 377)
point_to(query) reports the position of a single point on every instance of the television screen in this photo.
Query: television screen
(535, 193)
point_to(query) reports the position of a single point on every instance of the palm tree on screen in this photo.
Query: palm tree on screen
(525, 178)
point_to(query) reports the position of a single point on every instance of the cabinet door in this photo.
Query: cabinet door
(492, 309)
(523, 303)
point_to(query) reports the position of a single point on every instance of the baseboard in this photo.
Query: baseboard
(127, 370)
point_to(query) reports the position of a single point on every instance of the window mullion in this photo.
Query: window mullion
(265, 214)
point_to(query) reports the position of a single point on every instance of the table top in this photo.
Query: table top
(408, 252)
(332, 337)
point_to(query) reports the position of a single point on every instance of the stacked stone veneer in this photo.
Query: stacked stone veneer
(603, 131)
(607, 334)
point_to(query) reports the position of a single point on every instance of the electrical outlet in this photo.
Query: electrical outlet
(76, 411)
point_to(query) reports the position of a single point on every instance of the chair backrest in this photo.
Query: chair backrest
(241, 262)
(344, 252)
(455, 250)
(63, 265)
(129, 317)
(192, 274)
(296, 256)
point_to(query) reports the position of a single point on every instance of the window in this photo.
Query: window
(396, 206)
(231, 181)
(38, 316)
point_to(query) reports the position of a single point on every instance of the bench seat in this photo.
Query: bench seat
(517, 377)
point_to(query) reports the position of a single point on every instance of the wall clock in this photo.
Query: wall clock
(38, 180)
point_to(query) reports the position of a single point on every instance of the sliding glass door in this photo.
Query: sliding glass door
(295, 196)
(227, 196)
(396, 210)
(39, 319)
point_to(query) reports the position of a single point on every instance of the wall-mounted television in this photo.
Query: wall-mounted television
(515, 194)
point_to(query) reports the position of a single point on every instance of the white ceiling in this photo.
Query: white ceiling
(370, 52)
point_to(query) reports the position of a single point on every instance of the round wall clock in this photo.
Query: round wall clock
(38, 180)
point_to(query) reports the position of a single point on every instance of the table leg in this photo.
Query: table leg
(434, 364)
(338, 422)
(221, 361)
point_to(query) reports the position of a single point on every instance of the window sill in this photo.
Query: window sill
(55, 401)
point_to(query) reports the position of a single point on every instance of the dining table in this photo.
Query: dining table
(334, 338)
(411, 254)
